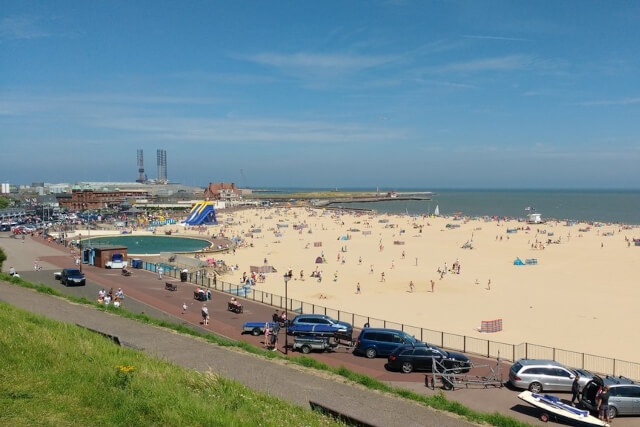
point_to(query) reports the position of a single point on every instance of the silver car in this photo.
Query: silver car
(624, 395)
(547, 375)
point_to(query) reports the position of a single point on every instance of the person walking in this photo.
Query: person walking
(184, 307)
(205, 315)
(575, 390)
(358, 288)
(411, 286)
(433, 284)
(160, 271)
(382, 279)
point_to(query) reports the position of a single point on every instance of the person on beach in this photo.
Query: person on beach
(359, 260)
(433, 284)
(371, 269)
(382, 279)
(411, 286)
(393, 264)
(358, 288)
(335, 276)
(489, 285)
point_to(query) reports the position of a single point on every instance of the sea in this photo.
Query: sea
(608, 206)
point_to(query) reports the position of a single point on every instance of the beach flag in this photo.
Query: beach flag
(491, 325)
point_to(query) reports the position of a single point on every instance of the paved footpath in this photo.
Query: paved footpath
(289, 382)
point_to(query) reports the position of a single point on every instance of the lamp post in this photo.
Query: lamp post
(287, 277)
(80, 244)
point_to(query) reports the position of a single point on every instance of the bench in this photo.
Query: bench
(170, 286)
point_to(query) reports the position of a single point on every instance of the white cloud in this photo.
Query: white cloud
(515, 39)
(505, 63)
(314, 61)
(623, 101)
(21, 27)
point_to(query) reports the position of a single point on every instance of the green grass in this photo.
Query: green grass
(60, 374)
(438, 401)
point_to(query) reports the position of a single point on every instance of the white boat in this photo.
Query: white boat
(553, 408)
(437, 211)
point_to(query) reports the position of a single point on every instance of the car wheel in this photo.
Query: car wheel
(544, 417)
(306, 349)
(407, 367)
(255, 332)
(535, 387)
(613, 412)
(457, 368)
(371, 353)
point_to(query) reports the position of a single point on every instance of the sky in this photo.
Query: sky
(389, 94)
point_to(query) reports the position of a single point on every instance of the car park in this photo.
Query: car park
(374, 342)
(545, 375)
(624, 395)
(408, 358)
(72, 277)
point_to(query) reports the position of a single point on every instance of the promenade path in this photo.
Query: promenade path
(289, 382)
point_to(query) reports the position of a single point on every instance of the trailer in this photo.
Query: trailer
(256, 328)
(307, 343)
(319, 330)
(451, 378)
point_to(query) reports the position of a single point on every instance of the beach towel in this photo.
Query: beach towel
(317, 244)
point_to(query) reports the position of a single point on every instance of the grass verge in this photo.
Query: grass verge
(438, 401)
(55, 373)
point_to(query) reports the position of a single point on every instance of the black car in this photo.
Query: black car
(408, 358)
(72, 277)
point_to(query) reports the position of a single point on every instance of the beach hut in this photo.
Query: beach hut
(518, 261)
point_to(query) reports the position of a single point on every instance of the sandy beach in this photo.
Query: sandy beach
(580, 296)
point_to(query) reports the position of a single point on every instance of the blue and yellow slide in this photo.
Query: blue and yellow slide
(202, 213)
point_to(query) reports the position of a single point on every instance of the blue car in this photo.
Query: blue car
(374, 342)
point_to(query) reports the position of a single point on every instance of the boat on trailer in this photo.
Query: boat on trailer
(552, 408)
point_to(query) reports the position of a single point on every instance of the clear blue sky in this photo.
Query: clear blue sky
(430, 94)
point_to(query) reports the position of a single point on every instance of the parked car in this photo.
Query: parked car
(407, 358)
(624, 395)
(302, 321)
(72, 277)
(374, 342)
(547, 375)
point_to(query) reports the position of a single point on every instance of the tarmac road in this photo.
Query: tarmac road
(145, 293)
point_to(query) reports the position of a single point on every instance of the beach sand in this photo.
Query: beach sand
(581, 296)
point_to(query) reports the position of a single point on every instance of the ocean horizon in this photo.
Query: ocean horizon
(611, 206)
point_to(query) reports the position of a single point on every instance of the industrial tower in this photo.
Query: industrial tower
(162, 166)
(142, 177)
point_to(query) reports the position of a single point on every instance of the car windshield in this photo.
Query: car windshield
(410, 339)
(439, 350)
(73, 272)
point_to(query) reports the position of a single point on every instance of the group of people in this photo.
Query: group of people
(107, 298)
(271, 333)
(201, 295)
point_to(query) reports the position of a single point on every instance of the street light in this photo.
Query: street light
(287, 277)
(80, 244)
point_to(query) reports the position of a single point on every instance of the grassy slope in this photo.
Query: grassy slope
(59, 374)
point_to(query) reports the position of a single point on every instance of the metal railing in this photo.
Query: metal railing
(466, 344)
